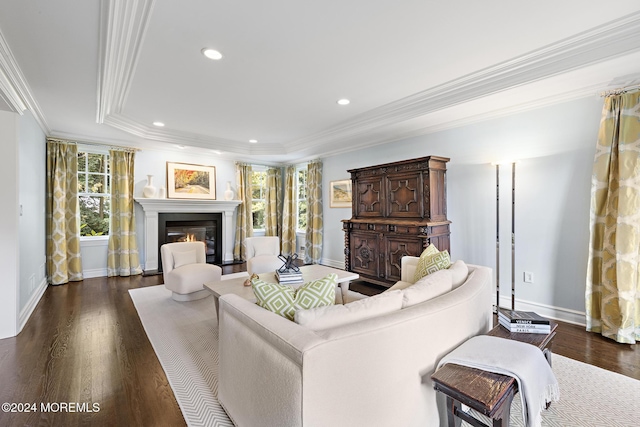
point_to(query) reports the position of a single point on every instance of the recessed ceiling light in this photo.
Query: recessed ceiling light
(253, 141)
(211, 54)
(159, 124)
(182, 147)
(343, 101)
(217, 151)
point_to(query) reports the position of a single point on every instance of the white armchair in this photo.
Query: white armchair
(185, 270)
(262, 254)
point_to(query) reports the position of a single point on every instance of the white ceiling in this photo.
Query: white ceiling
(105, 70)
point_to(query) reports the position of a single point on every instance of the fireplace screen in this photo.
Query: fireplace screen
(188, 233)
(193, 228)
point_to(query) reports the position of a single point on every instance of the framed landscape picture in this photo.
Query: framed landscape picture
(186, 181)
(341, 194)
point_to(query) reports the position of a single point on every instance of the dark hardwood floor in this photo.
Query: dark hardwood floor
(84, 344)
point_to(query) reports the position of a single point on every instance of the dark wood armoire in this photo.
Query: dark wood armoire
(398, 209)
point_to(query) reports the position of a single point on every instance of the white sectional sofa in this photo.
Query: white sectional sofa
(373, 372)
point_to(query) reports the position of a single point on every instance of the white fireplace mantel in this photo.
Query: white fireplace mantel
(152, 207)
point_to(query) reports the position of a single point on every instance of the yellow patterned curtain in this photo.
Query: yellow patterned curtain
(273, 206)
(313, 241)
(64, 263)
(612, 304)
(289, 212)
(123, 258)
(244, 216)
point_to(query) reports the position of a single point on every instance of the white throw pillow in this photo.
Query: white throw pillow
(336, 315)
(428, 287)
(459, 272)
(184, 258)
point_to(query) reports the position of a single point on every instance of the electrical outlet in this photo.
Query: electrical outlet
(528, 277)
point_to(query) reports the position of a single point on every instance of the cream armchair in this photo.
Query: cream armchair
(185, 270)
(262, 254)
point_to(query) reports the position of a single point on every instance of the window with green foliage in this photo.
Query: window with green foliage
(93, 193)
(258, 189)
(302, 198)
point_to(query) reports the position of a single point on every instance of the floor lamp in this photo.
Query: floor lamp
(513, 236)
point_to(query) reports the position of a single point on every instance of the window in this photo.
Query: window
(258, 203)
(93, 193)
(301, 194)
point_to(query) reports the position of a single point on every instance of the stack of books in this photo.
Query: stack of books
(289, 277)
(524, 322)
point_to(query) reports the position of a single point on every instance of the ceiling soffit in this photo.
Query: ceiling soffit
(122, 30)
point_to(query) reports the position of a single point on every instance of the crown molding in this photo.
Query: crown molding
(602, 43)
(133, 127)
(14, 88)
(123, 25)
(7, 69)
(369, 140)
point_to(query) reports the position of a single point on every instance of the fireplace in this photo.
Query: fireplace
(153, 208)
(189, 227)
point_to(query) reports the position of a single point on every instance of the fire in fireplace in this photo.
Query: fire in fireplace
(190, 227)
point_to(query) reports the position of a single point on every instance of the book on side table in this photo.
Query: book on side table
(289, 277)
(523, 321)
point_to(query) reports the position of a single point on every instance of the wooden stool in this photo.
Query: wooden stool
(488, 393)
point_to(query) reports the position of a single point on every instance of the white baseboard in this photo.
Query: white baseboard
(96, 272)
(332, 263)
(552, 312)
(25, 313)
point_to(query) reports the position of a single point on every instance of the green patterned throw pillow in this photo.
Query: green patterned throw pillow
(431, 263)
(430, 250)
(285, 299)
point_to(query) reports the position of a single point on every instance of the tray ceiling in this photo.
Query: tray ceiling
(106, 70)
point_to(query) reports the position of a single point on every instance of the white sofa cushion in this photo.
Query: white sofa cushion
(181, 258)
(459, 272)
(428, 287)
(399, 286)
(337, 315)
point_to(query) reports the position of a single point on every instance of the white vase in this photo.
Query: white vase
(162, 193)
(228, 193)
(149, 190)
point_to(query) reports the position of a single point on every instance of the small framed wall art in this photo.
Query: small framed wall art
(341, 193)
(187, 181)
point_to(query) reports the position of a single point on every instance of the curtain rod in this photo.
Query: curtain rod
(96, 144)
(619, 90)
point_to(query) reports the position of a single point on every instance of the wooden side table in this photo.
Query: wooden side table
(488, 393)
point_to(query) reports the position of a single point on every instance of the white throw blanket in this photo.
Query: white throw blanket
(525, 362)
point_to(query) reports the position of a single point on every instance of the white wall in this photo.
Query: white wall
(22, 220)
(8, 225)
(151, 162)
(555, 146)
(32, 197)
(155, 163)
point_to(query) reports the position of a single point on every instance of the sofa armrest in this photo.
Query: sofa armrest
(261, 364)
(287, 336)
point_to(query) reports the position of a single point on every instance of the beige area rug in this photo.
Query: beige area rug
(184, 336)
